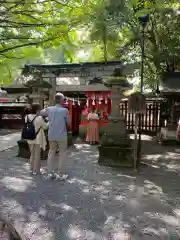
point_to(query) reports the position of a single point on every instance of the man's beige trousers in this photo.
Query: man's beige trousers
(54, 162)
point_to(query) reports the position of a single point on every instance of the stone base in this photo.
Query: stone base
(169, 142)
(70, 140)
(116, 156)
(167, 136)
(24, 151)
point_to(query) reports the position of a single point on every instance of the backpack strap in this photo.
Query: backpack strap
(28, 120)
(39, 128)
(38, 131)
(34, 118)
(32, 122)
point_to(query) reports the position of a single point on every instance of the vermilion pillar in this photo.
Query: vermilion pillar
(70, 115)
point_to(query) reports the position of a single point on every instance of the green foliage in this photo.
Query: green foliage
(54, 31)
(162, 34)
(37, 31)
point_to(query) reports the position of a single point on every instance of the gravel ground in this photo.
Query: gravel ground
(96, 202)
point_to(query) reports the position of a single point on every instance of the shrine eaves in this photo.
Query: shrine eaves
(85, 70)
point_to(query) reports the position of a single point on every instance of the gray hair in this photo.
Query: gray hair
(59, 98)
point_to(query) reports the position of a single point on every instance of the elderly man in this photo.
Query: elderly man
(58, 117)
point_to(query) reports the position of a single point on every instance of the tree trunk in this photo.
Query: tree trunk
(105, 43)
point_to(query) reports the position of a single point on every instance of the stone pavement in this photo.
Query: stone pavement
(96, 202)
(9, 140)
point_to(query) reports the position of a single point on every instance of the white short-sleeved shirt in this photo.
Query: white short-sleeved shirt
(93, 116)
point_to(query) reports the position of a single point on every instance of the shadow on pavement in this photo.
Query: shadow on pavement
(96, 202)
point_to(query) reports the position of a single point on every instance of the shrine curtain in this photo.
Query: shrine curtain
(75, 118)
(74, 115)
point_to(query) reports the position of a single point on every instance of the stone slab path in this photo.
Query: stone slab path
(96, 202)
(9, 140)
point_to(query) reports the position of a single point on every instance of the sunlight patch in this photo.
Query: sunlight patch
(107, 183)
(16, 184)
(134, 203)
(167, 219)
(12, 205)
(143, 137)
(124, 175)
(150, 231)
(170, 220)
(66, 207)
(77, 233)
(152, 156)
(82, 146)
(119, 198)
(116, 229)
(153, 187)
(172, 154)
(86, 190)
(42, 211)
(99, 188)
(78, 181)
(177, 212)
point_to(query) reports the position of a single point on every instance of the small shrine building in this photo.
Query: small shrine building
(82, 84)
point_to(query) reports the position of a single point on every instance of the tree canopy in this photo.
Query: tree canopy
(29, 28)
(44, 31)
(32, 23)
(120, 23)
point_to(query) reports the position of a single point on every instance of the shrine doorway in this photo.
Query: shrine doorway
(80, 102)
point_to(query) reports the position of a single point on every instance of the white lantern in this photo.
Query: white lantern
(93, 98)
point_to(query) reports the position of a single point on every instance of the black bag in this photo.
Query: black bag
(28, 132)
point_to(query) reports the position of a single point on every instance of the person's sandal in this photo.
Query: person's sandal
(61, 177)
(51, 176)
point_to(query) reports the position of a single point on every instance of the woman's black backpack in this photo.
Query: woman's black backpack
(28, 132)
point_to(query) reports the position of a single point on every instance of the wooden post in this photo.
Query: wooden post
(135, 142)
(137, 105)
(139, 146)
(70, 115)
(52, 91)
(41, 94)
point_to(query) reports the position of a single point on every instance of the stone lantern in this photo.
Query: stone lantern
(39, 86)
(115, 146)
(2, 93)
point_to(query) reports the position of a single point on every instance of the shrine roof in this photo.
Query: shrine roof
(16, 88)
(74, 65)
(170, 82)
(82, 88)
(15, 85)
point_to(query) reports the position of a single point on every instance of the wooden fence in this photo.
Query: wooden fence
(150, 120)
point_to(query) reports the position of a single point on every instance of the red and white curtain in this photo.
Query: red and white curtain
(100, 101)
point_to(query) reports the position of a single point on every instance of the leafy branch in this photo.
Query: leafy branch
(27, 44)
